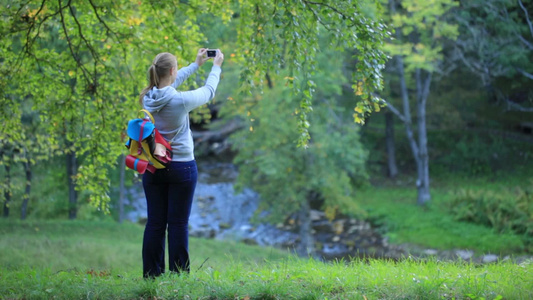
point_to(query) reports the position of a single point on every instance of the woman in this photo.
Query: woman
(169, 192)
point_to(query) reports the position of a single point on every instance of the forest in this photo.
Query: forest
(319, 102)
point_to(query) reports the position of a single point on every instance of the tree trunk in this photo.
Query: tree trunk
(71, 175)
(7, 191)
(420, 150)
(391, 148)
(407, 113)
(122, 193)
(423, 168)
(26, 197)
(307, 244)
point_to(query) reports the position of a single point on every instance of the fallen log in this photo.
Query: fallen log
(215, 140)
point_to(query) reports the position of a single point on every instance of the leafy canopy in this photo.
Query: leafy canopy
(80, 65)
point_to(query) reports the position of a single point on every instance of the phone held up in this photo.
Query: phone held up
(211, 53)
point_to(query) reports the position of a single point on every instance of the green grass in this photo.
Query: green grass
(392, 205)
(101, 260)
(61, 245)
(287, 279)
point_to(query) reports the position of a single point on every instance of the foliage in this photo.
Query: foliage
(476, 154)
(104, 265)
(495, 44)
(423, 29)
(80, 65)
(504, 211)
(286, 176)
(284, 35)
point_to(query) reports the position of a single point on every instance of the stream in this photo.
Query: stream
(218, 212)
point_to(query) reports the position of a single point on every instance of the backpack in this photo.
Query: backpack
(148, 149)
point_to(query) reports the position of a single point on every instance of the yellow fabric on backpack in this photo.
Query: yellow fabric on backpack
(144, 156)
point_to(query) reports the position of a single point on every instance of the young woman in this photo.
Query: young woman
(169, 192)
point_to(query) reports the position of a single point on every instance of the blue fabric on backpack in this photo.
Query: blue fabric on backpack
(134, 129)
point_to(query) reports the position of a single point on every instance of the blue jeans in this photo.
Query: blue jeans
(169, 193)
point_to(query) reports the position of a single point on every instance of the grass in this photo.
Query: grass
(392, 206)
(60, 245)
(101, 260)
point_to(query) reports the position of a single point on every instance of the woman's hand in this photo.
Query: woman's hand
(219, 59)
(201, 57)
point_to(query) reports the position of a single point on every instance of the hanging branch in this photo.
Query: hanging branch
(108, 29)
(69, 42)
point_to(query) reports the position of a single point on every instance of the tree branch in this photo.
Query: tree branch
(82, 36)
(69, 41)
(517, 107)
(526, 13)
(525, 42)
(95, 9)
(336, 10)
(528, 75)
(32, 24)
(427, 83)
(326, 5)
(391, 108)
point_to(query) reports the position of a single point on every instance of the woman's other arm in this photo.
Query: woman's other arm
(187, 71)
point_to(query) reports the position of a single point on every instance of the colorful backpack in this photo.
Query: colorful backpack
(148, 149)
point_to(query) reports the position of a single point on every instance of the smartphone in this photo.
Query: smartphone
(211, 53)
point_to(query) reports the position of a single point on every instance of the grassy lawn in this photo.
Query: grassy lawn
(82, 259)
(101, 260)
(102, 245)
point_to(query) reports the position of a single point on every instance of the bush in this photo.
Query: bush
(506, 211)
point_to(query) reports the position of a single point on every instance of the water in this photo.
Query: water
(218, 211)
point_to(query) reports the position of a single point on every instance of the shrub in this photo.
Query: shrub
(505, 211)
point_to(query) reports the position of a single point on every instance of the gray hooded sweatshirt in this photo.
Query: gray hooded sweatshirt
(171, 108)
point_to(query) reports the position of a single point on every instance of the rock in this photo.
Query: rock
(224, 225)
(464, 254)
(489, 258)
(321, 226)
(316, 215)
(206, 233)
(246, 228)
(431, 252)
(338, 226)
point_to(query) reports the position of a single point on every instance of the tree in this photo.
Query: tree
(82, 64)
(76, 65)
(421, 30)
(496, 44)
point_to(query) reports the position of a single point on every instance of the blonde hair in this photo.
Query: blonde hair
(159, 69)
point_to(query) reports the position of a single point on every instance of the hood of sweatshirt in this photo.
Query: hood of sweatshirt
(156, 98)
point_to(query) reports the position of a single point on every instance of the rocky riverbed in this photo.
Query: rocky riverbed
(220, 213)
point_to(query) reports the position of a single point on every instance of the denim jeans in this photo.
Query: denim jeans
(169, 193)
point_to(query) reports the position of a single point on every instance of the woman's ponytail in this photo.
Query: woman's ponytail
(160, 67)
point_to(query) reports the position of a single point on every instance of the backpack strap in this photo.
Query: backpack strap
(141, 134)
(148, 114)
(153, 121)
(147, 118)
